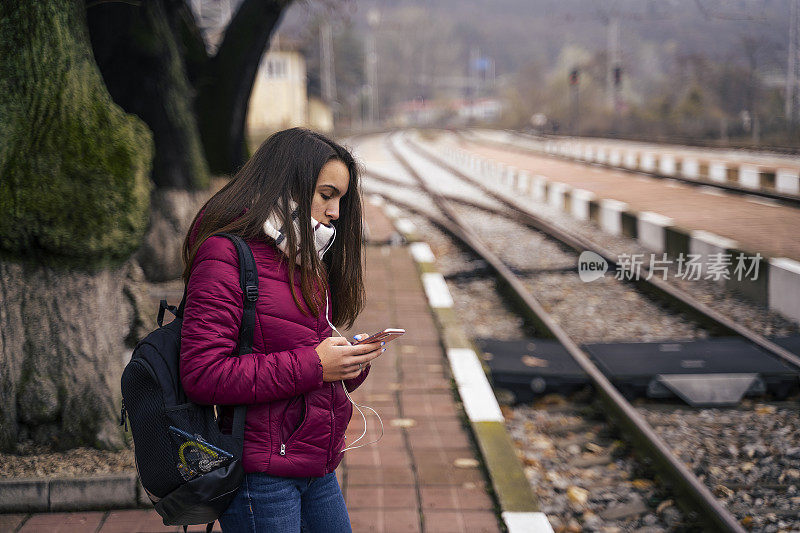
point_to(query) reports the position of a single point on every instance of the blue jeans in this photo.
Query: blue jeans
(272, 504)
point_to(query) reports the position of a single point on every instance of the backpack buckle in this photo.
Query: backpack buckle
(251, 291)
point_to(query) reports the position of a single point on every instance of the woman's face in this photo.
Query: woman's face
(331, 185)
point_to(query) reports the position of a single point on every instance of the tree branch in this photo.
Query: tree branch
(224, 94)
(189, 37)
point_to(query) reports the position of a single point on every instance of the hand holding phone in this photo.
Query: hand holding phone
(342, 360)
(386, 335)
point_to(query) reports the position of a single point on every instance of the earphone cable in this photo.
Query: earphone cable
(356, 405)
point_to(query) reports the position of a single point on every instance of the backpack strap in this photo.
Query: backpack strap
(182, 305)
(209, 527)
(163, 306)
(248, 280)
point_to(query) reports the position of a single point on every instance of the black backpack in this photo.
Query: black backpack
(188, 467)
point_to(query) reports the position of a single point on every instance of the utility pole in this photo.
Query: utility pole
(356, 124)
(793, 64)
(373, 19)
(328, 72)
(613, 63)
(473, 84)
(574, 87)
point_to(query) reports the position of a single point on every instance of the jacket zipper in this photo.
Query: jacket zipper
(333, 425)
(302, 421)
(305, 410)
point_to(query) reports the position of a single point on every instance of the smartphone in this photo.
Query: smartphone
(382, 336)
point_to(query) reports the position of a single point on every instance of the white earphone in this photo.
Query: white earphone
(356, 405)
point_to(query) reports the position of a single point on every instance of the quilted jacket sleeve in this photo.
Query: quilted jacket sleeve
(352, 384)
(211, 370)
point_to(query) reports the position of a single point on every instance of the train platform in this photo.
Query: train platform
(713, 228)
(426, 473)
(755, 224)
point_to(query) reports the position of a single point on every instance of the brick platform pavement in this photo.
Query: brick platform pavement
(756, 225)
(422, 476)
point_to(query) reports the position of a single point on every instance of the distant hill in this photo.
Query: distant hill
(697, 64)
(515, 32)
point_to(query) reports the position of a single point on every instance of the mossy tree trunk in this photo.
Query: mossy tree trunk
(74, 200)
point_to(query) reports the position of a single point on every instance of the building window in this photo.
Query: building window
(275, 69)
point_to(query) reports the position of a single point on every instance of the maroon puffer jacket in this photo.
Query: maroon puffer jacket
(295, 423)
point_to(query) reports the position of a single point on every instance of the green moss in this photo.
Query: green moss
(510, 484)
(74, 168)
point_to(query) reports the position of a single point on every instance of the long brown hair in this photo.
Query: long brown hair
(284, 167)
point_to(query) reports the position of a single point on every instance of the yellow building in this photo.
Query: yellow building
(320, 115)
(280, 100)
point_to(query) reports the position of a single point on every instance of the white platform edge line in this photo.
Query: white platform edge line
(655, 218)
(613, 205)
(477, 404)
(473, 387)
(517, 522)
(713, 239)
(392, 211)
(790, 265)
(421, 252)
(436, 290)
(405, 226)
(583, 194)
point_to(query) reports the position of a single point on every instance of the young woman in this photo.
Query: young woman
(296, 203)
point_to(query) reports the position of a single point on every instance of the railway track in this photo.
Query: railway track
(688, 488)
(655, 285)
(505, 205)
